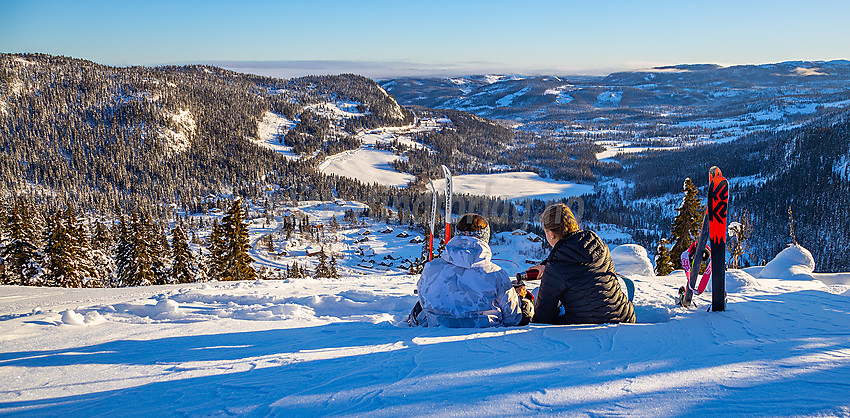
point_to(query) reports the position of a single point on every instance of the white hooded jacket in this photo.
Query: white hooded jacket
(464, 289)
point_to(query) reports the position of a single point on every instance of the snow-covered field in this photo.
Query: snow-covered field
(614, 148)
(307, 347)
(370, 165)
(515, 185)
(270, 132)
(333, 347)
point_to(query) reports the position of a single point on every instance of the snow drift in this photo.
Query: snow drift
(792, 263)
(632, 260)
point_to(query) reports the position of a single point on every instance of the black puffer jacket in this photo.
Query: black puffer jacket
(580, 275)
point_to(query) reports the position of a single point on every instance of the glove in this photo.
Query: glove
(527, 308)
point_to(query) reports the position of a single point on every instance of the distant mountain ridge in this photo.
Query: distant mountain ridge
(705, 89)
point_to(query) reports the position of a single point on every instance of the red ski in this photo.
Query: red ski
(718, 208)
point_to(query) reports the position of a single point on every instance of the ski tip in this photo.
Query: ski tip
(713, 172)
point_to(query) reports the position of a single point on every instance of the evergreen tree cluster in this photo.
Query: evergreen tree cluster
(99, 138)
(65, 249)
(53, 251)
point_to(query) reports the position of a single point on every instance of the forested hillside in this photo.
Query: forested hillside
(805, 169)
(104, 136)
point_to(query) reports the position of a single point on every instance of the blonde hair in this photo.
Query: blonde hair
(559, 219)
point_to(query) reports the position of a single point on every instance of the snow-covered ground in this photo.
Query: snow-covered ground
(614, 148)
(515, 185)
(368, 165)
(270, 132)
(334, 347)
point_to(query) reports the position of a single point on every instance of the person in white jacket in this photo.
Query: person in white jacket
(463, 288)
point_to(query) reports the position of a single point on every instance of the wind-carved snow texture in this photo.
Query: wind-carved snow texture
(334, 347)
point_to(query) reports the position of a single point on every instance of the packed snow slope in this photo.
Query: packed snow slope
(334, 347)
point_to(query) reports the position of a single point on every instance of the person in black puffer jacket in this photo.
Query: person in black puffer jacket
(578, 274)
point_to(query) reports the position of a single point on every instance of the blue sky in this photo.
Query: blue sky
(386, 38)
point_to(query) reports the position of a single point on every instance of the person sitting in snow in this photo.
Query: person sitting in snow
(464, 289)
(578, 284)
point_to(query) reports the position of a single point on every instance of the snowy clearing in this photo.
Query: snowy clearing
(614, 148)
(270, 132)
(516, 185)
(177, 136)
(368, 165)
(508, 100)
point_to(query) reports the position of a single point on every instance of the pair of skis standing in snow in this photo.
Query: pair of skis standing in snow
(433, 224)
(712, 240)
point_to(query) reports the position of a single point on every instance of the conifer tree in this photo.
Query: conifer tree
(663, 264)
(58, 255)
(332, 267)
(184, 269)
(124, 254)
(686, 226)
(143, 257)
(67, 253)
(101, 237)
(159, 251)
(134, 256)
(19, 253)
(85, 274)
(322, 270)
(236, 263)
(215, 264)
